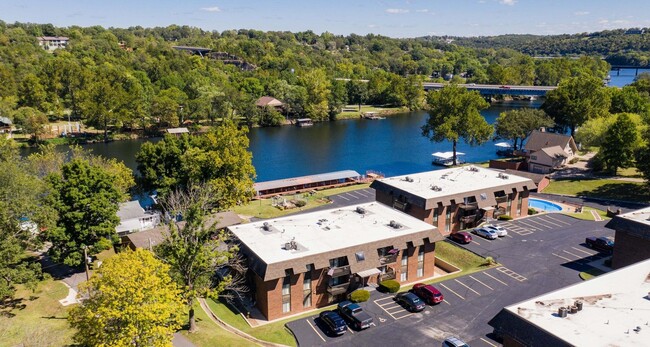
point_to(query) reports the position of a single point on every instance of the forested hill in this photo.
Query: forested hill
(621, 46)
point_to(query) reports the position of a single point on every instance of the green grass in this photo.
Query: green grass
(591, 273)
(211, 334)
(586, 214)
(367, 108)
(42, 321)
(459, 256)
(601, 188)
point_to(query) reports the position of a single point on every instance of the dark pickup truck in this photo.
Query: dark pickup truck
(355, 315)
(602, 244)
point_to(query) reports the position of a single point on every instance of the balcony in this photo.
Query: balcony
(388, 259)
(389, 275)
(339, 271)
(501, 199)
(469, 206)
(338, 289)
(468, 219)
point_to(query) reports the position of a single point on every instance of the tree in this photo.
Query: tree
(621, 141)
(318, 93)
(130, 301)
(576, 100)
(337, 99)
(413, 92)
(103, 97)
(32, 93)
(515, 125)
(629, 100)
(454, 114)
(86, 198)
(195, 249)
(31, 120)
(357, 92)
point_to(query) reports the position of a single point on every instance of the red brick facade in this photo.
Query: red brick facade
(629, 249)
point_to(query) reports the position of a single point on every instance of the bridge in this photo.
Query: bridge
(636, 69)
(491, 89)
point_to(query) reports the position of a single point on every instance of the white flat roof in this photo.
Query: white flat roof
(452, 181)
(640, 216)
(325, 231)
(614, 305)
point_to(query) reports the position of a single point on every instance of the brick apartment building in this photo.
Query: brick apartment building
(632, 237)
(303, 262)
(457, 198)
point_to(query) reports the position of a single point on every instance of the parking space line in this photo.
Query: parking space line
(585, 252)
(356, 193)
(353, 196)
(496, 279)
(446, 302)
(535, 228)
(392, 308)
(509, 236)
(575, 255)
(476, 242)
(549, 222)
(511, 273)
(350, 329)
(404, 316)
(558, 220)
(488, 342)
(458, 295)
(386, 298)
(343, 197)
(316, 331)
(386, 304)
(541, 225)
(559, 256)
(463, 284)
(472, 277)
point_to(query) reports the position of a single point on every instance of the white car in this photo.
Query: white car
(487, 233)
(501, 231)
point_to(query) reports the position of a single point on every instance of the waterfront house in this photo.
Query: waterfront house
(547, 152)
(50, 43)
(457, 198)
(269, 101)
(307, 261)
(134, 218)
(5, 125)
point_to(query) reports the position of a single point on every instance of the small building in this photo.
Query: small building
(50, 43)
(306, 183)
(177, 131)
(5, 125)
(548, 151)
(304, 122)
(457, 198)
(306, 261)
(134, 218)
(632, 237)
(541, 181)
(269, 101)
(609, 310)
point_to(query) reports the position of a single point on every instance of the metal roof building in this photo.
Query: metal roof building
(306, 182)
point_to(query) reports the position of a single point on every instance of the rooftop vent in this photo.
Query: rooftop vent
(472, 168)
(435, 188)
(266, 226)
(291, 245)
(408, 179)
(361, 210)
(502, 176)
(395, 225)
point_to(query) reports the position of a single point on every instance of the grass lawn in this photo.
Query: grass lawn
(601, 188)
(591, 273)
(42, 321)
(211, 334)
(367, 108)
(586, 214)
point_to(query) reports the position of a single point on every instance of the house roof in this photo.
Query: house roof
(130, 210)
(5, 121)
(146, 239)
(178, 131)
(538, 140)
(268, 101)
(555, 152)
(53, 38)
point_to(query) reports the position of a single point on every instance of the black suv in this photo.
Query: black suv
(334, 322)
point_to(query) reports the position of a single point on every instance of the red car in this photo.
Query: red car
(428, 293)
(461, 237)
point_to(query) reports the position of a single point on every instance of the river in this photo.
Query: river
(393, 146)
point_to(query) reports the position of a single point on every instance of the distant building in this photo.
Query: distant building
(548, 151)
(51, 43)
(457, 198)
(609, 310)
(306, 261)
(306, 183)
(177, 131)
(134, 218)
(5, 125)
(632, 237)
(269, 101)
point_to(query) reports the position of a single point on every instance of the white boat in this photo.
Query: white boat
(447, 158)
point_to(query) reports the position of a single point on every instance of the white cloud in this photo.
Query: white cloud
(581, 13)
(396, 10)
(424, 10)
(211, 9)
(508, 2)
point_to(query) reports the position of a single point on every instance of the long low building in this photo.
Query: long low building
(306, 261)
(632, 237)
(457, 198)
(306, 183)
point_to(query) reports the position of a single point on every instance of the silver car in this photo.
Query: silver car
(487, 233)
(501, 231)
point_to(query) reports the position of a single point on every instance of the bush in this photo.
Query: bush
(360, 295)
(390, 286)
(532, 211)
(574, 160)
(489, 261)
(504, 217)
(300, 203)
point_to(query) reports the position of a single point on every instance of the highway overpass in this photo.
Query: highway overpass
(491, 89)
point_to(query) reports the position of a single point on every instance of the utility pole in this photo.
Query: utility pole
(86, 262)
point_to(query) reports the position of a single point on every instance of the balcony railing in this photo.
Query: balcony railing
(340, 271)
(338, 289)
(388, 259)
(469, 206)
(468, 219)
(501, 199)
(387, 276)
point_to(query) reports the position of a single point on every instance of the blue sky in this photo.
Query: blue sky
(395, 18)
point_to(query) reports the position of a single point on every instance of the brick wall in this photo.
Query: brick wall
(629, 249)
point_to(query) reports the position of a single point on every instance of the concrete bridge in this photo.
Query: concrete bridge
(491, 89)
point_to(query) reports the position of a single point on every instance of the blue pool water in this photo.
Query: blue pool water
(544, 205)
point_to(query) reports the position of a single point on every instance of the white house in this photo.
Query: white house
(549, 151)
(134, 218)
(51, 43)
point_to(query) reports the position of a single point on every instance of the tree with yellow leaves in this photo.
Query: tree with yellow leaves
(129, 301)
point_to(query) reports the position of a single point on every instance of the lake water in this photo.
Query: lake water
(624, 77)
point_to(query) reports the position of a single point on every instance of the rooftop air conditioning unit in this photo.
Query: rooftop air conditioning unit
(408, 179)
(266, 226)
(361, 210)
(395, 225)
(436, 188)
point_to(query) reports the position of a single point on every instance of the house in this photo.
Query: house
(547, 152)
(134, 218)
(5, 125)
(608, 310)
(457, 198)
(632, 237)
(50, 43)
(302, 262)
(269, 101)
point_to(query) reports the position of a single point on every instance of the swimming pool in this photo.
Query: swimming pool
(544, 205)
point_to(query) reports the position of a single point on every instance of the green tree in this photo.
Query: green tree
(102, 98)
(86, 198)
(515, 125)
(318, 93)
(131, 301)
(621, 141)
(576, 100)
(337, 99)
(413, 92)
(357, 92)
(31, 120)
(455, 114)
(32, 93)
(629, 100)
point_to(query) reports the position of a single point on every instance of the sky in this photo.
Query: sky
(394, 18)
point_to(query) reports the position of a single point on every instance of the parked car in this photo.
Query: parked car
(354, 314)
(501, 231)
(603, 244)
(335, 324)
(505, 87)
(461, 237)
(428, 293)
(487, 233)
(454, 342)
(410, 301)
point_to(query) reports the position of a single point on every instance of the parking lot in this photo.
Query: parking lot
(541, 253)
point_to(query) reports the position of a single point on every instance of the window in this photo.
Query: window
(509, 205)
(435, 216)
(448, 219)
(519, 201)
(420, 262)
(405, 266)
(306, 291)
(286, 294)
(360, 256)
